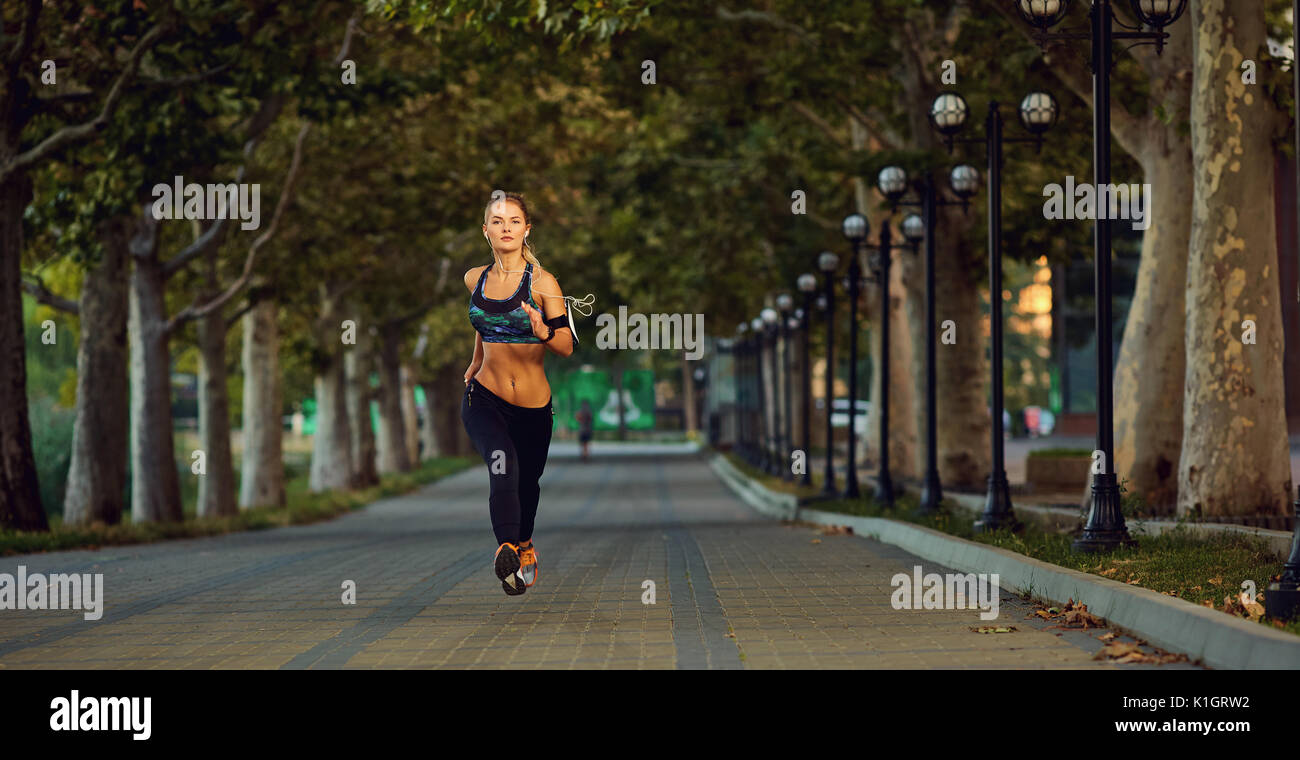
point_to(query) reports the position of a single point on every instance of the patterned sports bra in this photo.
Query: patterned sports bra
(505, 321)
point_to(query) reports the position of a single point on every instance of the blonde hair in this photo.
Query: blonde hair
(529, 254)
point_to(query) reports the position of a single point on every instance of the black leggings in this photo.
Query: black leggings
(513, 441)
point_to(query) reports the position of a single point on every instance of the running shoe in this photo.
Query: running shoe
(528, 562)
(507, 569)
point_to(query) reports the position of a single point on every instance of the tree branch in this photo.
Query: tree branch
(139, 86)
(817, 121)
(766, 18)
(887, 136)
(267, 112)
(73, 134)
(26, 37)
(244, 309)
(1126, 127)
(347, 38)
(43, 295)
(286, 194)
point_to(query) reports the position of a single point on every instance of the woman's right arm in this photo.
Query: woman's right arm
(477, 361)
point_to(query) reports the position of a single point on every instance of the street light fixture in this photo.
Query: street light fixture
(760, 397)
(1037, 113)
(1105, 529)
(965, 180)
(828, 262)
(807, 285)
(784, 303)
(741, 378)
(855, 231)
(913, 227)
(774, 465)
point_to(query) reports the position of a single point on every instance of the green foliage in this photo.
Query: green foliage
(52, 449)
(302, 508)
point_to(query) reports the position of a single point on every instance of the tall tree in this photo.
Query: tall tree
(1234, 456)
(29, 138)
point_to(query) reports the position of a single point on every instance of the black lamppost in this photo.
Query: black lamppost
(741, 379)
(855, 229)
(1038, 113)
(785, 437)
(807, 285)
(769, 319)
(828, 262)
(760, 419)
(964, 180)
(1105, 529)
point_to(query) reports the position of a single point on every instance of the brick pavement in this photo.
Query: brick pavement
(733, 590)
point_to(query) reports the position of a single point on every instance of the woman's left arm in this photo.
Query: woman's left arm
(553, 303)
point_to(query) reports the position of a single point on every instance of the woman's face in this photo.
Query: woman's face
(505, 226)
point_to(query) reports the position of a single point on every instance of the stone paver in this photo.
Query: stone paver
(732, 590)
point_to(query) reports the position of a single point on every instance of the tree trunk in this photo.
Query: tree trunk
(216, 487)
(97, 474)
(331, 450)
(428, 431)
(262, 473)
(393, 453)
(20, 499)
(410, 416)
(357, 365)
(1149, 373)
(1234, 453)
(902, 421)
(961, 370)
(904, 446)
(155, 489)
(452, 438)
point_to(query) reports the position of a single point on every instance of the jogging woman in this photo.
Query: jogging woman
(507, 404)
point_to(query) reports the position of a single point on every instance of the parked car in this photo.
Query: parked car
(840, 415)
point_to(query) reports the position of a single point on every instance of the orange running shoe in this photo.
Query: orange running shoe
(506, 563)
(528, 562)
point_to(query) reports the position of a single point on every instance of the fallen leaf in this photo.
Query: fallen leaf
(1107, 636)
(1081, 618)
(1109, 572)
(994, 629)
(837, 530)
(1216, 581)
(1116, 649)
(816, 540)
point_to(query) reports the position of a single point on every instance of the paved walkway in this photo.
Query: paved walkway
(733, 590)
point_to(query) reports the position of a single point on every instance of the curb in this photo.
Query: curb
(1065, 519)
(766, 501)
(1217, 639)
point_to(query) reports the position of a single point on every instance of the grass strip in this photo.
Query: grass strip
(301, 507)
(1201, 570)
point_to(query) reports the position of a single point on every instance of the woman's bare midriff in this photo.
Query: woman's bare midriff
(514, 372)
